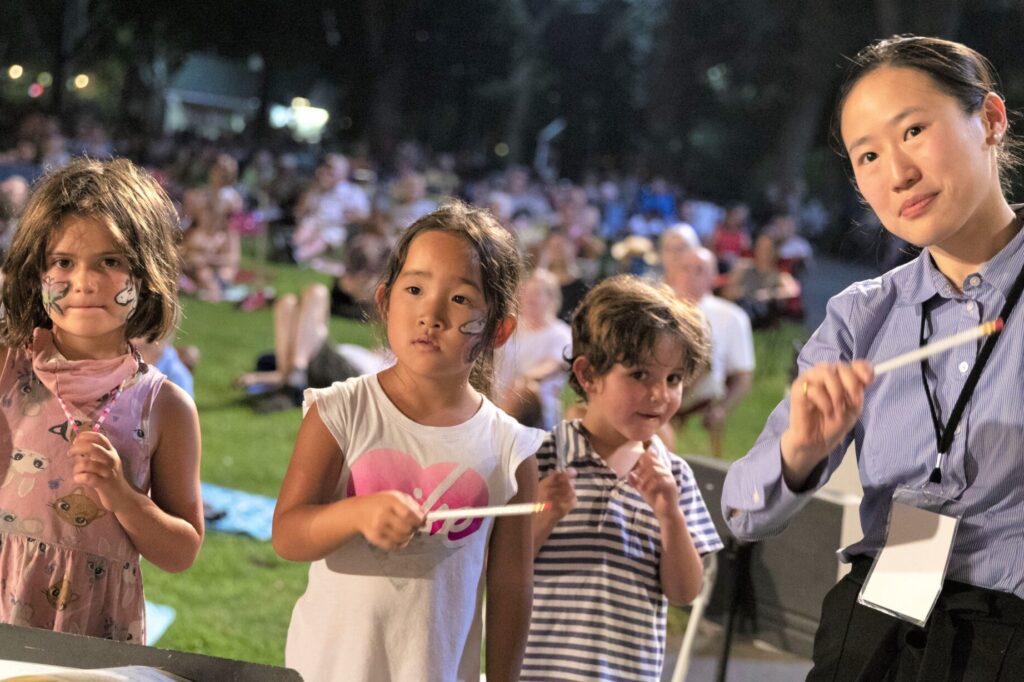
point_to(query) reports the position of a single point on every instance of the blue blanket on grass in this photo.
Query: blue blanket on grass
(245, 513)
(158, 618)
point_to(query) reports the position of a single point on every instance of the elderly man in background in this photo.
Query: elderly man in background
(690, 270)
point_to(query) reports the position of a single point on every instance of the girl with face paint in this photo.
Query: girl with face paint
(378, 452)
(102, 452)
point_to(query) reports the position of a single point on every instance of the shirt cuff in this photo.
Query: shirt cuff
(756, 501)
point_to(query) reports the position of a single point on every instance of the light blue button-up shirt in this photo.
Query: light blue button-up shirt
(983, 473)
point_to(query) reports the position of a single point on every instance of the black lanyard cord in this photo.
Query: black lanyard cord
(944, 435)
(933, 409)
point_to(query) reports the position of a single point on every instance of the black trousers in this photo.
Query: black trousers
(973, 635)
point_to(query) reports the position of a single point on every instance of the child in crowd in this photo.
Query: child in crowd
(104, 454)
(391, 597)
(627, 524)
(531, 367)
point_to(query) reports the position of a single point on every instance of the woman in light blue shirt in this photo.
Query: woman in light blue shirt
(928, 141)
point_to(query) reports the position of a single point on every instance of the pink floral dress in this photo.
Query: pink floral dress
(66, 564)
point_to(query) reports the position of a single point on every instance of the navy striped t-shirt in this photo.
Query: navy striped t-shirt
(598, 609)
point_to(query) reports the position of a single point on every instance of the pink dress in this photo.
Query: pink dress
(66, 564)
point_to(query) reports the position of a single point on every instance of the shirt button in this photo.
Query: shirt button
(974, 280)
(956, 431)
(964, 367)
(757, 496)
(970, 305)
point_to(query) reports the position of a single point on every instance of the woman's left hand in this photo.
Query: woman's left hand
(98, 466)
(655, 482)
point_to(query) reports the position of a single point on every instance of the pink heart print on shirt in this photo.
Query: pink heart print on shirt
(445, 485)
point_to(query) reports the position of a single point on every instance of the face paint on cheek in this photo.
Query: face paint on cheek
(474, 328)
(127, 298)
(53, 292)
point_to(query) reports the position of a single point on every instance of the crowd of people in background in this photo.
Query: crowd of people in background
(341, 214)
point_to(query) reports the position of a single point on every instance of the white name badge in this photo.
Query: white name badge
(906, 576)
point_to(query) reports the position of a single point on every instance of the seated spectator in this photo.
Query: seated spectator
(325, 214)
(647, 223)
(442, 180)
(212, 250)
(304, 357)
(613, 212)
(691, 272)
(524, 196)
(703, 216)
(675, 243)
(731, 239)
(557, 255)
(759, 286)
(409, 200)
(13, 197)
(795, 253)
(657, 199)
(366, 254)
(531, 368)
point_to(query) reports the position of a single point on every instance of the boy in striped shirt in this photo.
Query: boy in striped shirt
(627, 525)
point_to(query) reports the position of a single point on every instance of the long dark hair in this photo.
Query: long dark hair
(960, 72)
(500, 270)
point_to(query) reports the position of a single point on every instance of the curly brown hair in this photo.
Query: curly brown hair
(142, 221)
(500, 269)
(620, 321)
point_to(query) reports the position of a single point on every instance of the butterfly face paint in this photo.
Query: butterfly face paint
(475, 329)
(53, 293)
(128, 298)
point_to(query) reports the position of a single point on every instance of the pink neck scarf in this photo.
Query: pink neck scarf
(81, 383)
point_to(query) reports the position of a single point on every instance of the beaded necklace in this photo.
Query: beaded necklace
(73, 423)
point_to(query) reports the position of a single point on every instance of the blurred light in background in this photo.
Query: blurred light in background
(501, 149)
(15, 71)
(306, 122)
(81, 81)
(35, 90)
(45, 79)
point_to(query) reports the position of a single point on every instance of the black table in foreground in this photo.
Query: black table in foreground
(75, 651)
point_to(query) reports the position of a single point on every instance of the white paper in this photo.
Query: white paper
(908, 573)
(43, 672)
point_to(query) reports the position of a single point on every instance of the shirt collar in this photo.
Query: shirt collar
(1004, 267)
(577, 447)
(925, 280)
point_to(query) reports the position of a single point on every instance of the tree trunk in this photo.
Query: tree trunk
(388, 32)
(822, 35)
(669, 91)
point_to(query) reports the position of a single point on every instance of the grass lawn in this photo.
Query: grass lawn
(236, 601)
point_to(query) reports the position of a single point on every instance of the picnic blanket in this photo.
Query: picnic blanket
(158, 618)
(236, 511)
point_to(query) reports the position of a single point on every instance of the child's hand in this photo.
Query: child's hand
(98, 466)
(390, 519)
(559, 490)
(655, 482)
